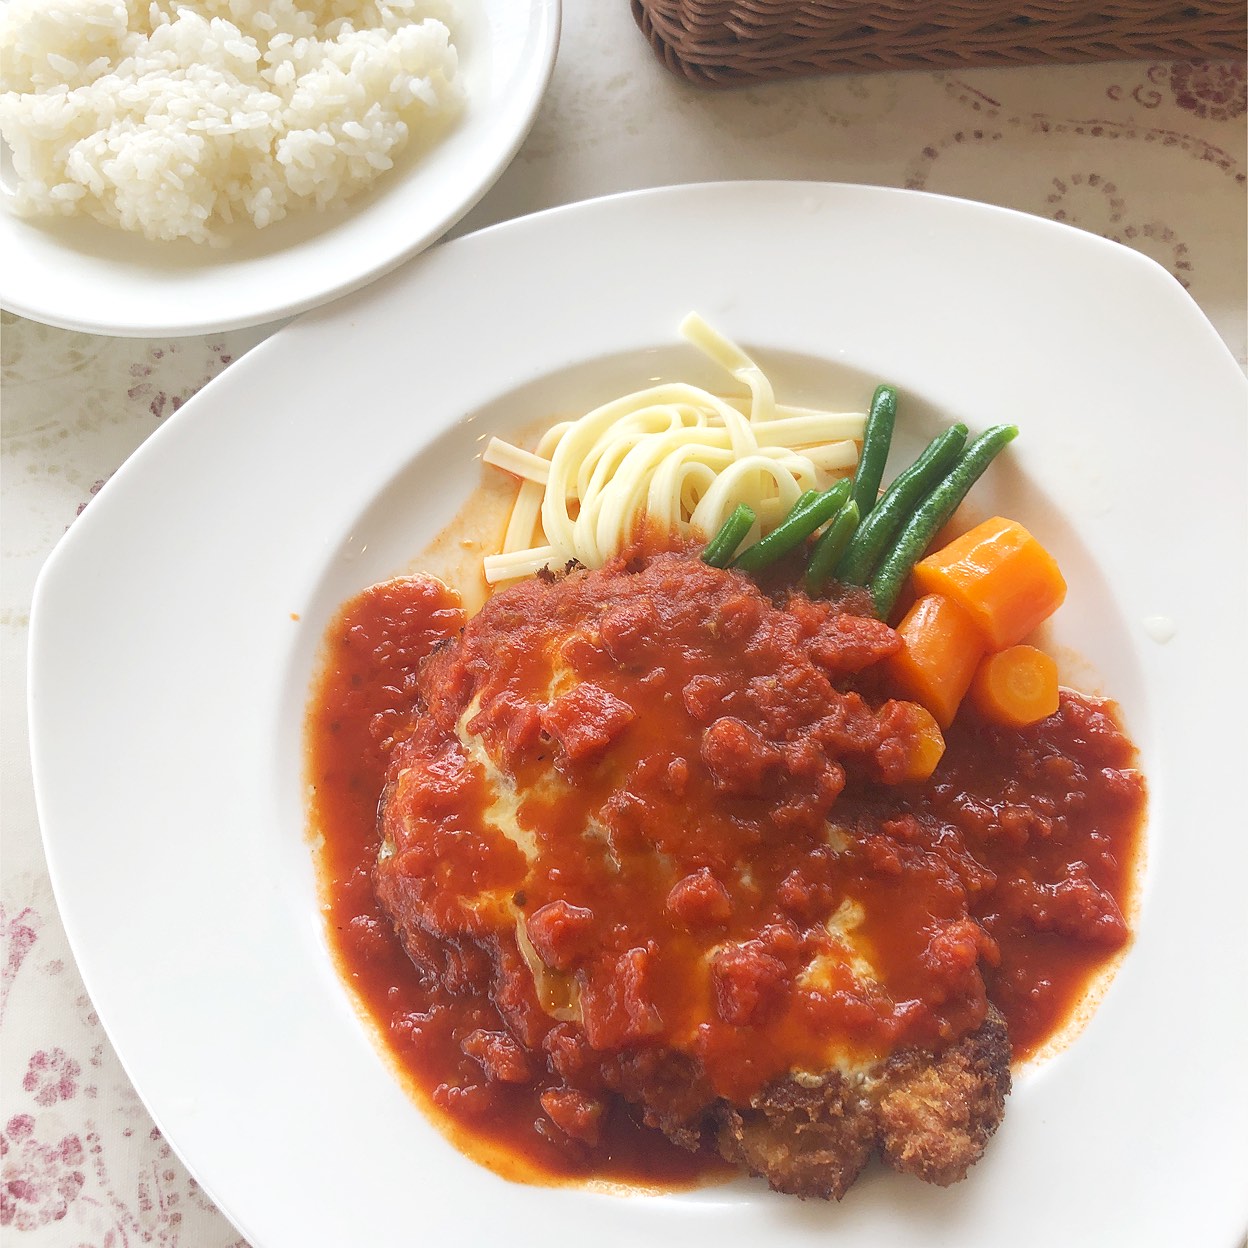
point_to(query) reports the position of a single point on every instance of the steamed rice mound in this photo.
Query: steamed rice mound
(175, 119)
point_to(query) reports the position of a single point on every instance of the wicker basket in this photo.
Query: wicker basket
(719, 43)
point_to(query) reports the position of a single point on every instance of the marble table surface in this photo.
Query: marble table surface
(1150, 154)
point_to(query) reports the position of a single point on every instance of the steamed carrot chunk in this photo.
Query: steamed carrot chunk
(927, 747)
(941, 649)
(1000, 575)
(1016, 687)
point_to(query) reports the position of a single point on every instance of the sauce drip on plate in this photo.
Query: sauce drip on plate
(1032, 832)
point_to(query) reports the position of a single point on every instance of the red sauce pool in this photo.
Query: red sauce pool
(360, 704)
(1057, 802)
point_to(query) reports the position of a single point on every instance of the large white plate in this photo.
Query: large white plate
(80, 274)
(169, 676)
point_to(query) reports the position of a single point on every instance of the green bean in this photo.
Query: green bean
(933, 513)
(875, 532)
(721, 548)
(830, 546)
(800, 523)
(876, 440)
(804, 500)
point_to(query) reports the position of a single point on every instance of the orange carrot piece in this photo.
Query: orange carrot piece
(942, 649)
(1016, 687)
(928, 746)
(1000, 575)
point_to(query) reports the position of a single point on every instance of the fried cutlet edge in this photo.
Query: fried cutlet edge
(926, 1114)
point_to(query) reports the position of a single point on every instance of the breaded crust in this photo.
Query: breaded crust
(937, 1115)
(807, 1139)
(927, 1115)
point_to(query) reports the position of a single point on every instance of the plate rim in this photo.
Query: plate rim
(328, 315)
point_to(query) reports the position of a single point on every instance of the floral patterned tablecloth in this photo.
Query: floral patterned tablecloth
(1152, 155)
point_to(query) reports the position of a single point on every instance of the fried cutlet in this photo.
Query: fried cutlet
(648, 797)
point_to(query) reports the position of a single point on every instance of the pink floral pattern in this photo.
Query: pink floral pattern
(51, 1076)
(40, 1181)
(96, 487)
(1217, 90)
(67, 1179)
(18, 935)
(145, 373)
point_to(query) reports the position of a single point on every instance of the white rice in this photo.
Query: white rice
(175, 119)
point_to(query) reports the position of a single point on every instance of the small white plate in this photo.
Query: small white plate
(80, 274)
(176, 626)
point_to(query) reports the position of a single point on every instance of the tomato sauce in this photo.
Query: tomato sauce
(361, 707)
(712, 747)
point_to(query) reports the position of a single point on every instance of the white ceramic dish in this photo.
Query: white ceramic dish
(175, 629)
(79, 274)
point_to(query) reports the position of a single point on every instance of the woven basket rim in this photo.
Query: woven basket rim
(727, 42)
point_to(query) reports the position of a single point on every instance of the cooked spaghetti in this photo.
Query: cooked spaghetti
(673, 454)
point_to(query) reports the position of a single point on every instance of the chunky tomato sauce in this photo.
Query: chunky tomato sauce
(363, 705)
(710, 741)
